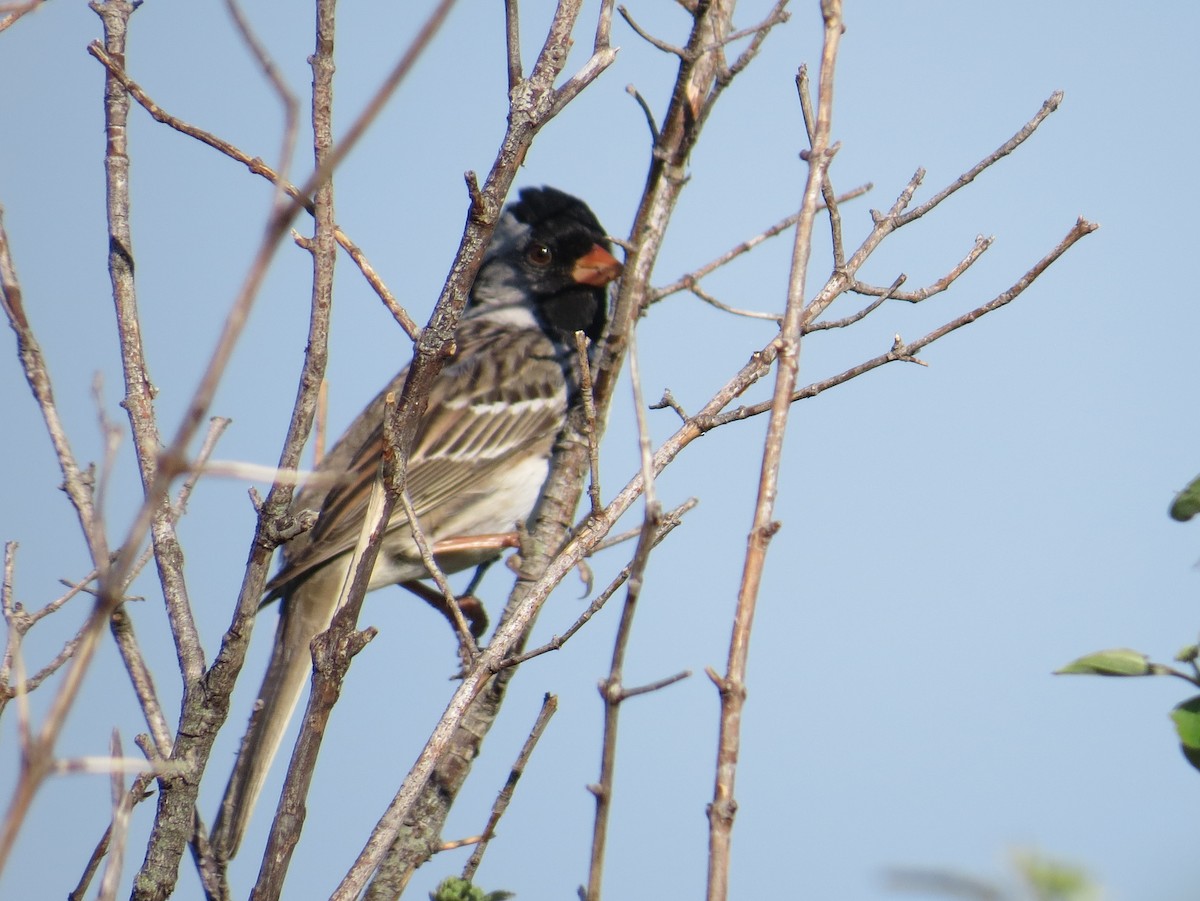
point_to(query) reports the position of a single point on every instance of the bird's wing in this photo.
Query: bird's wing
(501, 396)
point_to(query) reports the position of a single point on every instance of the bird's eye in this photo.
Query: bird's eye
(539, 255)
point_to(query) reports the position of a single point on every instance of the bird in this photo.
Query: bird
(478, 462)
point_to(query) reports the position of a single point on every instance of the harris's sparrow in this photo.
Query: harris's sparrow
(478, 463)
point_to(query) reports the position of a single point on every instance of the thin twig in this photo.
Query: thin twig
(549, 707)
(684, 282)
(646, 111)
(667, 524)
(467, 646)
(712, 301)
(216, 428)
(1051, 105)
(776, 16)
(143, 681)
(656, 685)
(889, 293)
(649, 38)
(668, 401)
(981, 245)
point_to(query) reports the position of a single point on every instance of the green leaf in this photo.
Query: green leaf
(1054, 880)
(452, 888)
(1186, 717)
(1113, 662)
(1187, 502)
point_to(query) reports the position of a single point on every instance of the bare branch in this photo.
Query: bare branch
(612, 692)
(1051, 105)
(143, 681)
(549, 707)
(981, 245)
(139, 390)
(649, 38)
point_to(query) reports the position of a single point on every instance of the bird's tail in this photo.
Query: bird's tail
(306, 613)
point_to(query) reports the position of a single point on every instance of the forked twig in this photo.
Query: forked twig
(904, 352)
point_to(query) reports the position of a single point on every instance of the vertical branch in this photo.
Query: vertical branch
(285, 830)
(139, 391)
(206, 702)
(612, 689)
(732, 686)
(512, 43)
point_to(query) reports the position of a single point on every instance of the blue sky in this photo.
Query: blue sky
(951, 534)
